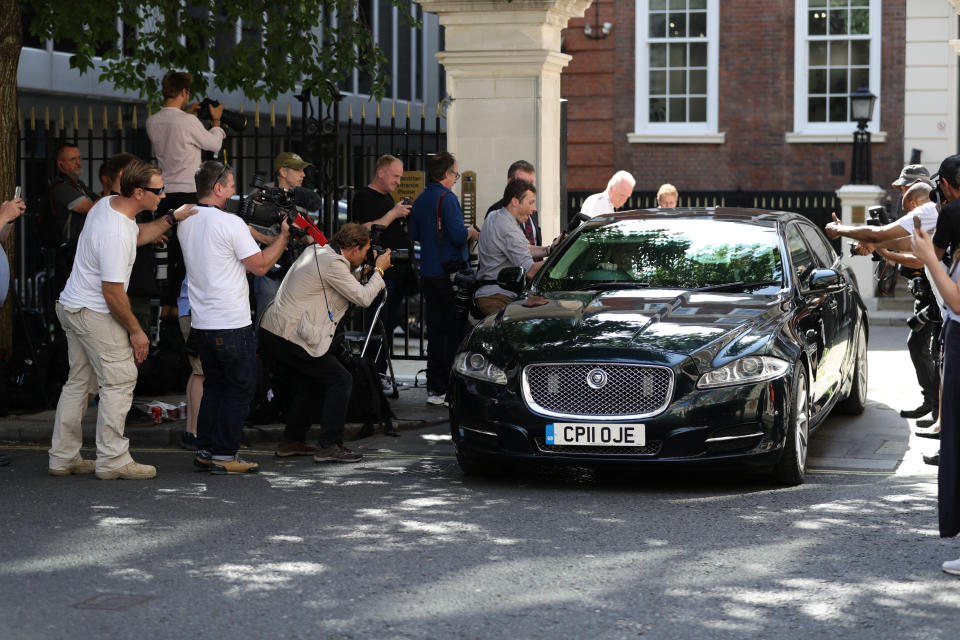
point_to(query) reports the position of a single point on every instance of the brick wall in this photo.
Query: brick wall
(755, 107)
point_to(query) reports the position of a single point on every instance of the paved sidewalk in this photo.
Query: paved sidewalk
(411, 411)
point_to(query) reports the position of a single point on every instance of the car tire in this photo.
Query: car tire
(856, 400)
(792, 468)
(472, 467)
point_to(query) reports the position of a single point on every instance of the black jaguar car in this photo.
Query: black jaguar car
(666, 337)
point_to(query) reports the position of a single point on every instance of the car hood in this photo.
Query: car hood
(658, 325)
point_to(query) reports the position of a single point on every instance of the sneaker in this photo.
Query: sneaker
(202, 461)
(285, 449)
(79, 467)
(188, 441)
(436, 400)
(932, 460)
(129, 471)
(952, 567)
(336, 453)
(233, 467)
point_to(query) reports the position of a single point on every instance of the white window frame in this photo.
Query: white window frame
(646, 132)
(826, 132)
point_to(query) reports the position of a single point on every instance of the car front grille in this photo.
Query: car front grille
(597, 390)
(650, 449)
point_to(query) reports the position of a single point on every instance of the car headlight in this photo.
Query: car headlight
(744, 370)
(476, 365)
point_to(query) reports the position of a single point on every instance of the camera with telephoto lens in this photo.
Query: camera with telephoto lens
(234, 120)
(925, 306)
(464, 285)
(398, 257)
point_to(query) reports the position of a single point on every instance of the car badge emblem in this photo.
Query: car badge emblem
(597, 379)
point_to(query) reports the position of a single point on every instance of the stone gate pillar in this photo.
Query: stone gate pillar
(503, 64)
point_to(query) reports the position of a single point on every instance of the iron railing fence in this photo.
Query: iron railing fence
(815, 205)
(342, 148)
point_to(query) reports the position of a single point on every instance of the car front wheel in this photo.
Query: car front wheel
(792, 467)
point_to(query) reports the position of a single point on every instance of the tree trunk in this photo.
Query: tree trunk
(11, 39)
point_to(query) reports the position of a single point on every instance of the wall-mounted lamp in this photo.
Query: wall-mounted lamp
(596, 31)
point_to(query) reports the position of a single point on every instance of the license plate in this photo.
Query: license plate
(609, 435)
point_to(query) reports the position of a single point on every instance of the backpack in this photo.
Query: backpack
(49, 230)
(368, 404)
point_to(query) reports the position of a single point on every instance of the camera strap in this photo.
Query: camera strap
(440, 217)
(323, 287)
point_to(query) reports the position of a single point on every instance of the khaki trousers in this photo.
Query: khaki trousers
(101, 358)
(492, 304)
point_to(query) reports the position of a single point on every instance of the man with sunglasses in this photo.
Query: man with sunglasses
(104, 340)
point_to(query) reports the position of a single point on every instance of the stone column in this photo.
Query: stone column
(855, 199)
(503, 64)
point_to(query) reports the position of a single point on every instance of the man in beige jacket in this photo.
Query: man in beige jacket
(298, 327)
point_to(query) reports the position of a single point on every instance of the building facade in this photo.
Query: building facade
(738, 94)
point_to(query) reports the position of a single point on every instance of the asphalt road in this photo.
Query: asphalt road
(403, 546)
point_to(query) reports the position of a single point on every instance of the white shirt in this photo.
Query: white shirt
(928, 218)
(177, 138)
(106, 250)
(596, 205)
(214, 244)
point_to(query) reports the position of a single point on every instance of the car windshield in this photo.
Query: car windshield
(668, 252)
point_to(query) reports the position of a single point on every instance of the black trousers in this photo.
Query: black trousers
(948, 481)
(176, 269)
(309, 385)
(920, 344)
(444, 331)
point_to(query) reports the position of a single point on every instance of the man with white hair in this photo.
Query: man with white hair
(613, 197)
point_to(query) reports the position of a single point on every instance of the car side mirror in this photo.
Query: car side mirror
(823, 279)
(512, 279)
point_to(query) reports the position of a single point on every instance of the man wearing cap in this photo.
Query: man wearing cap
(289, 170)
(922, 335)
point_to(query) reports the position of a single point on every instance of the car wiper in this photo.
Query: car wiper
(739, 285)
(597, 286)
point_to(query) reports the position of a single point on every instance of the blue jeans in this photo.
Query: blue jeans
(229, 359)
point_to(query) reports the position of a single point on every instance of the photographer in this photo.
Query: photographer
(178, 137)
(373, 205)
(298, 328)
(218, 251)
(288, 170)
(924, 323)
(503, 244)
(436, 220)
(947, 238)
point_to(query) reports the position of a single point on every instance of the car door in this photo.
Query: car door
(838, 313)
(815, 321)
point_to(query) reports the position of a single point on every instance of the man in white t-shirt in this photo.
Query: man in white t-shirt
(218, 250)
(914, 184)
(104, 339)
(619, 189)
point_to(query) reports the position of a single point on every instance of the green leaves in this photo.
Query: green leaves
(259, 49)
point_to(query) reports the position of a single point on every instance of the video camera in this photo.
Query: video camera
(234, 120)
(270, 206)
(398, 257)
